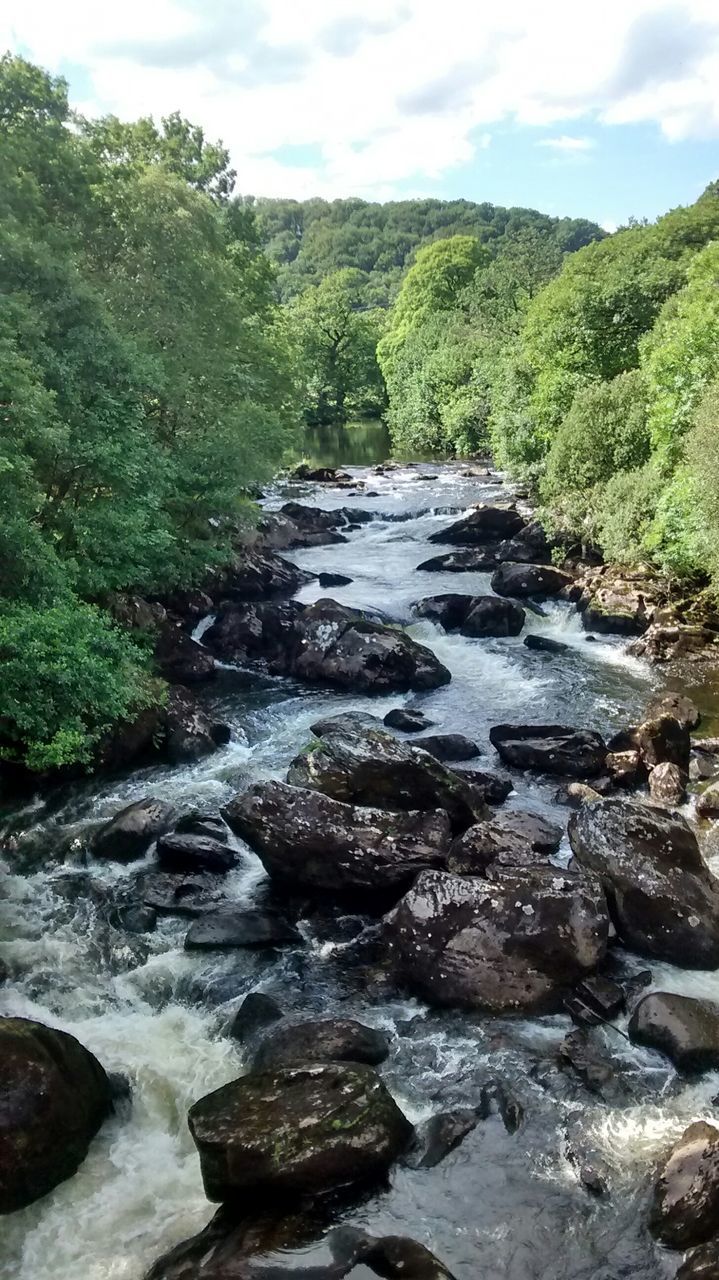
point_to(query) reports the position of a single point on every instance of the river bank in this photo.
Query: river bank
(509, 1203)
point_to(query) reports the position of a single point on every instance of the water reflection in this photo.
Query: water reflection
(350, 444)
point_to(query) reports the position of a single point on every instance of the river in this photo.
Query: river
(503, 1206)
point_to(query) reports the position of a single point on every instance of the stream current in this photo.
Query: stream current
(502, 1206)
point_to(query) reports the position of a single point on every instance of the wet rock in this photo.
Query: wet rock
(55, 1095)
(407, 720)
(239, 927)
(529, 580)
(326, 642)
(530, 546)
(483, 560)
(298, 1131)
(255, 574)
(180, 658)
(180, 895)
(132, 741)
(307, 839)
(405, 1259)
(550, 748)
(190, 733)
(345, 721)
(257, 1012)
(474, 616)
(448, 746)
(589, 1058)
(685, 1207)
(663, 898)
(595, 1000)
(333, 580)
(319, 475)
(619, 602)
(685, 1029)
(577, 794)
(448, 610)
(668, 642)
(496, 1099)
(592, 1180)
(134, 918)
(370, 767)
(437, 1137)
(202, 824)
(703, 765)
(484, 524)
(513, 943)
(178, 852)
(512, 839)
(493, 786)
(668, 784)
(708, 802)
(702, 1263)
(131, 832)
(677, 705)
(663, 740)
(545, 644)
(626, 769)
(322, 1040)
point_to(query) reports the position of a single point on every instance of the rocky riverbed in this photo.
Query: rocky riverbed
(404, 809)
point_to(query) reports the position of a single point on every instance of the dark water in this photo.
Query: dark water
(502, 1206)
(353, 444)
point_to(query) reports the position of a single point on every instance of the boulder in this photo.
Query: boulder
(370, 767)
(515, 943)
(474, 616)
(333, 580)
(175, 894)
(448, 610)
(620, 604)
(586, 1055)
(703, 765)
(231, 927)
(448, 746)
(663, 740)
(257, 1012)
(405, 1259)
(668, 642)
(307, 839)
(441, 1134)
(686, 1030)
(668, 784)
(484, 524)
(701, 1263)
(202, 824)
(319, 475)
(483, 560)
(134, 918)
(190, 733)
(529, 580)
(326, 642)
(663, 898)
(708, 801)
(345, 722)
(180, 852)
(131, 832)
(55, 1095)
(595, 1000)
(180, 658)
(256, 573)
(626, 769)
(545, 644)
(529, 546)
(407, 720)
(299, 1131)
(321, 1040)
(550, 748)
(494, 787)
(512, 839)
(685, 1206)
(677, 705)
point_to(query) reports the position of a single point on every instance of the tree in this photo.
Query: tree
(336, 349)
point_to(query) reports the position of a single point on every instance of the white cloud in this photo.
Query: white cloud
(567, 143)
(383, 91)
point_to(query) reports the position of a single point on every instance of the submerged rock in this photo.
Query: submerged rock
(370, 767)
(299, 1131)
(545, 644)
(257, 1012)
(685, 1029)
(529, 580)
(550, 748)
(187, 852)
(239, 927)
(306, 838)
(448, 746)
(685, 1207)
(483, 560)
(441, 1134)
(702, 1263)
(484, 524)
(513, 943)
(663, 898)
(322, 1040)
(54, 1097)
(131, 832)
(407, 720)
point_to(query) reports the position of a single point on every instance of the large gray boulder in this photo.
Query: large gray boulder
(54, 1095)
(663, 898)
(550, 748)
(298, 1131)
(371, 767)
(484, 524)
(322, 1040)
(685, 1029)
(474, 616)
(685, 1207)
(511, 839)
(131, 832)
(308, 839)
(515, 943)
(328, 643)
(529, 580)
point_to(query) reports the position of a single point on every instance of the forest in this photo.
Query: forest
(164, 338)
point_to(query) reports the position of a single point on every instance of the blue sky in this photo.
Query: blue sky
(608, 113)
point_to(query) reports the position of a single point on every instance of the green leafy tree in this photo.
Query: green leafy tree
(336, 349)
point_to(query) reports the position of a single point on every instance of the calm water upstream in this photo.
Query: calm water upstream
(502, 1206)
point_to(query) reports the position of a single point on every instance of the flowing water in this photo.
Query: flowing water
(502, 1206)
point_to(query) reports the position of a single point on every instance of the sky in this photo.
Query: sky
(606, 111)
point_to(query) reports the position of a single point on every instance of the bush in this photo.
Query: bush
(68, 676)
(702, 454)
(625, 511)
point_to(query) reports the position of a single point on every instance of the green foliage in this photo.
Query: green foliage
(68, 676)
(702, 460)
(336, 343)
(624, 512)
